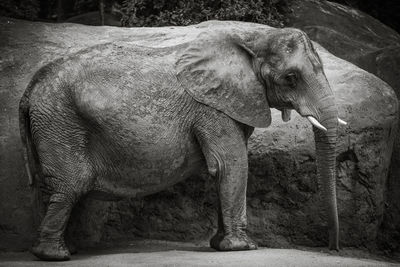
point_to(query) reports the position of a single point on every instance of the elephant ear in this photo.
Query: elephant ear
(216, 70)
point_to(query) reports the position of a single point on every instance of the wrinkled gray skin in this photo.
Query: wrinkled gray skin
(118, 121)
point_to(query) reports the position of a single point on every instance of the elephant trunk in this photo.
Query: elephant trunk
(325, 143)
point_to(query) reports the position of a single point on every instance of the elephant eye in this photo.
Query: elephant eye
(291, 79)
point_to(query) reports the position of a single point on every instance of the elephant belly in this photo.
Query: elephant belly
(138, 170)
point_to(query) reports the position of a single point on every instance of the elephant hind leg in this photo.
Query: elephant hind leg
(61, 139)
(50, 244)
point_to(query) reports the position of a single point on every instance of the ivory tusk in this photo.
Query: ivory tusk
(316, 123)
(341, 121)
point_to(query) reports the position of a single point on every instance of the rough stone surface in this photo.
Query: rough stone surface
(373, 47)
(283, 201)
(344, 31)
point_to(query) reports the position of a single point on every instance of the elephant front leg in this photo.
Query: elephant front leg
(232, 220)
(224, 145)
(220, 234)
(225, 150)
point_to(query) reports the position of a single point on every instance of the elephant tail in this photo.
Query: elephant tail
(29, 151)
(30, 154)
(26, 136)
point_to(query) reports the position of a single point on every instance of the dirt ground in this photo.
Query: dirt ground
(164, 253)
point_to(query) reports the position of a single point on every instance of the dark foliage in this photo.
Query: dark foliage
(154, 12)
(164, 12)
(24, 9)
(184, 12)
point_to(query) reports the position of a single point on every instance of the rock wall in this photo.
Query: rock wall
(283, 199)
(374, 47)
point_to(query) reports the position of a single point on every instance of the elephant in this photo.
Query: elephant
(119, 120)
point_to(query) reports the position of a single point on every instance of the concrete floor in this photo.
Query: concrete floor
(164, 253)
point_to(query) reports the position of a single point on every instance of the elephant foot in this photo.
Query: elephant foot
(51, 251)
(232, 242)
(334, 246)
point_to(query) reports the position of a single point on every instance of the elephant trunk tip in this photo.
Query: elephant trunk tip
(334, 239)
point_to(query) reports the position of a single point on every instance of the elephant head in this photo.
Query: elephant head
(244, 78)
